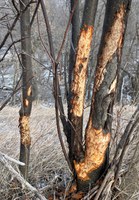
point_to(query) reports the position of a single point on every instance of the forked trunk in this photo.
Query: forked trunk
(98, 131)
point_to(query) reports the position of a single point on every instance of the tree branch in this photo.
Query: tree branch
(14, 173)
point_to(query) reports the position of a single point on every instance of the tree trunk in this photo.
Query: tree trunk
(25, 110)
(75, 31)
(74, 39)
(98, 131)
(76, 151)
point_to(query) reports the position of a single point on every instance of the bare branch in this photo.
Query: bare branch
(20, 178)
(124, 142)
(66, 31)
(14, 4)
(57, 118)
(11, 95)
(11, 159)
(35, 12)
(13, 25)
(14, 42)
(42, 42)
(50, 39)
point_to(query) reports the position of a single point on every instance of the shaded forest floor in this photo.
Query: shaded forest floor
(48, 169)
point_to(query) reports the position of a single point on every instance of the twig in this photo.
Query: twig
(35, 12)
(66, 31)
(132, 125)
(46, 68)
(57, 118)
(14, 92)
(56, 86)
(14, 42)
(91, 193)
(13, 25)
(21, 179)
(11, 159)
(107, 177)
(13, 1)
(50, 39)
(42, 42)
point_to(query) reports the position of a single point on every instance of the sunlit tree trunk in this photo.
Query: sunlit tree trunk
(98, 131)
(76, 151)
(25, 110)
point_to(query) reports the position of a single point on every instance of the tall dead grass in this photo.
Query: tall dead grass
(47, 163)
(48, 169)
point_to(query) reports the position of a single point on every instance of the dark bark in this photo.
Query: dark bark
(25, 110)
(119, 86)
(65, 75)
(50, 39)
(75, 31)
(56, 87)
(135, 81)
(98, 131)
(76, 151)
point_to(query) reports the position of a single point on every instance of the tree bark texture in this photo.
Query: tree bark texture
(25, 110)
(79, 81)
(75, 31)
(74, 39)
(98, 131)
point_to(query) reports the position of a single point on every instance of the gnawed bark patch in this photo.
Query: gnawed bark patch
(96, 146)
(97, 139)
(29, 91)
(113, 86)
(26, 101)
(25, 130)
(98, 130)
(80, 70)
(113, 44)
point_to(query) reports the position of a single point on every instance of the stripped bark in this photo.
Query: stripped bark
(79, 81)
(98, 129)
(25, 110)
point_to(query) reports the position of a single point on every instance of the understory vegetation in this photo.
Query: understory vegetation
(49, 172)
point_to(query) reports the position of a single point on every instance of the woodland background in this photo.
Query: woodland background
(48, 171)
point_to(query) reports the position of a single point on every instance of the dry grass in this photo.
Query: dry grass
(128, 185)
(47, 163)
(48, 168)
